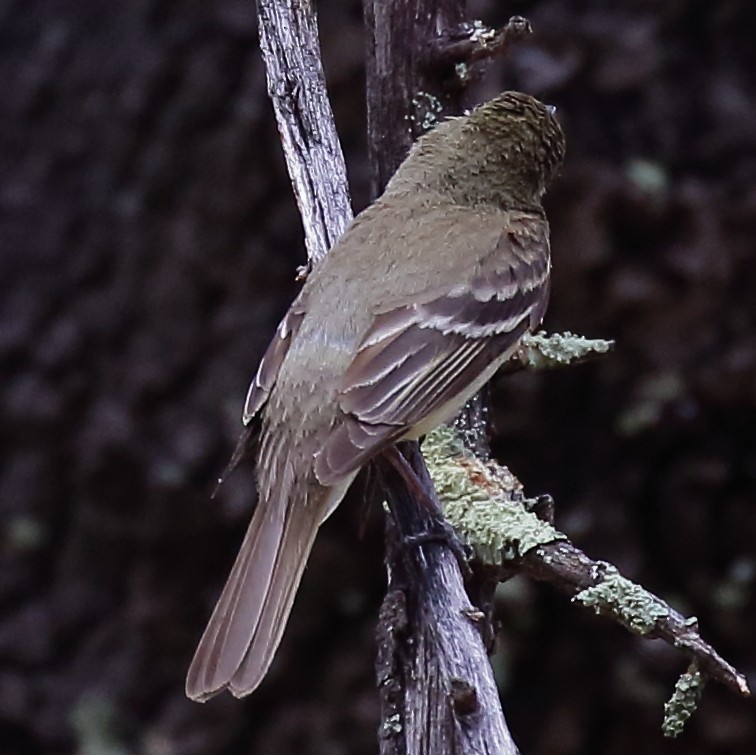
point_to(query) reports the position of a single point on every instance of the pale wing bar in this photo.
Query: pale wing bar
(270, 364)
(416, 359)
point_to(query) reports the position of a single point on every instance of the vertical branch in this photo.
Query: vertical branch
(437, 686)
(438, 694)
(296, 85)
(405, 91)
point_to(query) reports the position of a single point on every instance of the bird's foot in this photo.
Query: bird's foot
(440, 531)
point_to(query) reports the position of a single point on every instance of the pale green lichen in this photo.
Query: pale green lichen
(481, 33)
(543, 350)
(393, 724)
(637, 608)
(484, 502)
(683, 703)
(462, 72)
(426, 112)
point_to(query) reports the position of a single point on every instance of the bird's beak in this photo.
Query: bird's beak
(551, 109)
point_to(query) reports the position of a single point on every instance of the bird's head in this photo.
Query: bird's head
(505, 152)
(521, 131)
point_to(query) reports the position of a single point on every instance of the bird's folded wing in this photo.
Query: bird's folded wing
(419, 357)
(263, 382)
(270, 364)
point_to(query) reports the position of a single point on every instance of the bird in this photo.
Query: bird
(428, 291)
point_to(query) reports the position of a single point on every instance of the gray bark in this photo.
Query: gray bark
(296, 85)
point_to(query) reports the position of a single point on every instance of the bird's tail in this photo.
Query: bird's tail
(247, 624)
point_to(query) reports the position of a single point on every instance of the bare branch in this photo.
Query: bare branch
(405, 95)
(296, 85)
(473, 42)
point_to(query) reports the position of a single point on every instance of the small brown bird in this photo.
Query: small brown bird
(427, 293)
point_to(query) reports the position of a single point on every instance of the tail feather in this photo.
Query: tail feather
(283, 585)
(247, 624)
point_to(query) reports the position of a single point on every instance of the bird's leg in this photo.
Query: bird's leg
(439, 530)
(414, 484)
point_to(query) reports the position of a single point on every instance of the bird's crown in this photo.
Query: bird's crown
(505, 152)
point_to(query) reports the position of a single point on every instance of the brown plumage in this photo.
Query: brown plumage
(426, 294)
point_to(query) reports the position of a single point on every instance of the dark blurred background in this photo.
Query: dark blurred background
(148, 245)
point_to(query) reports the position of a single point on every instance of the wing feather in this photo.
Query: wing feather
(270, 364)
(419, 358)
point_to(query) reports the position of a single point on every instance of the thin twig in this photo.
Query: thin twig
(486, 505)
(600, 586)
(473, 42)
